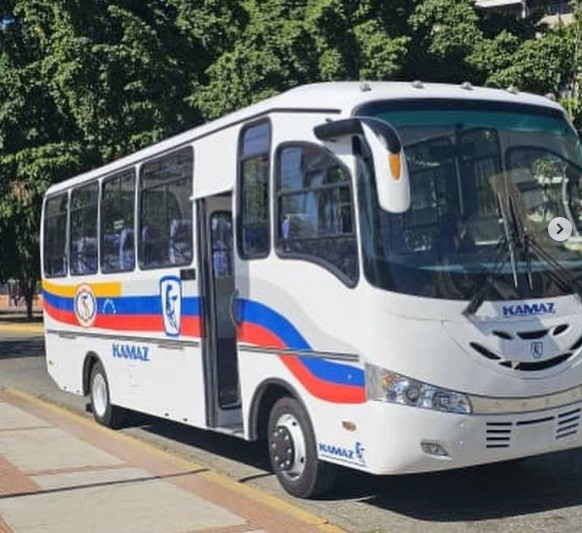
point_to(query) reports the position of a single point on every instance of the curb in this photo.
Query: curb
(7, 327)
(262, 497)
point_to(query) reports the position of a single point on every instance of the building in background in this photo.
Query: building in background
(554, 11)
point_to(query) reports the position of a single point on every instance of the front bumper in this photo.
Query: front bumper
(392, 435)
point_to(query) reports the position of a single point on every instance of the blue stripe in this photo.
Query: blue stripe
(335, 372)
(58, 302)
(191, 306)
(130, 305)
(126, 305)
(261, 315)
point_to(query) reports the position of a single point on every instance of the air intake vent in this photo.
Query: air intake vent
(535, 334)
(502, 335)
(524, 366)
(568, 423)
(558, 330)
(541, 365)
(498, 435)
(485, 352)
(576, 345)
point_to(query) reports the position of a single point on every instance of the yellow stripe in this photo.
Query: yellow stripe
(220, 479)
(101, 290)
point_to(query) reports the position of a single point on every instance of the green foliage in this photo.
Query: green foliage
(87, 81)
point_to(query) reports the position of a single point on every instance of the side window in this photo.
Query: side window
(315, 214)
(55, 236)
(165, 226)
(117, 223)
(221, 240)
(254, 234)
(83, 243)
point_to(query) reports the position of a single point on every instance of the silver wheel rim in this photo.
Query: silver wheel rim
(99, 395)
(291, 424)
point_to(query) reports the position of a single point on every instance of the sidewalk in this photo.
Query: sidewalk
(17, 323)
(61, 472)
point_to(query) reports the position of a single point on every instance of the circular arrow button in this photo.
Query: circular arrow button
(560, 228)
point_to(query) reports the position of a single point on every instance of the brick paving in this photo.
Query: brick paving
(61, 472)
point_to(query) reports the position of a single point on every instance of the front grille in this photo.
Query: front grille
(498, 434)
(535, 334)
(524, 366)
(501, 434)
(568, 423)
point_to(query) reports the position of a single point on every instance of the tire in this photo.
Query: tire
(293, 453)
(104, 412)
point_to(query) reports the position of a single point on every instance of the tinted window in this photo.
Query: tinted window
(254, 217)
(165, 213)
(117, 223)
(55, 236)
(83, 252)
(315, 210)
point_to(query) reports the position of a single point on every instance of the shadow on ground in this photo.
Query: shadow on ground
(15, 347)
(543, 483)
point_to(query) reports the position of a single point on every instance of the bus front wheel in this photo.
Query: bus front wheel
(103, 411)
(293, 453)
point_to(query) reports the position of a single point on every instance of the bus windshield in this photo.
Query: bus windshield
(465, 158)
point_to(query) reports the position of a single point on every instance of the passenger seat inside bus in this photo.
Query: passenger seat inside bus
(126, 250)
(180, 244)
(152, 246)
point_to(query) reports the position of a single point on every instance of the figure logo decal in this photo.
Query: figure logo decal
(85, 306)
(171, 299)
(537, 349)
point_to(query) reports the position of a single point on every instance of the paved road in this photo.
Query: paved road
(544, 493)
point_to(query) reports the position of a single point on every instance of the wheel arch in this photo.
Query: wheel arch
(265, 396)
(91, 358)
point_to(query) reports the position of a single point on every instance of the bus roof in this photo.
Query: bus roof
(337, 98)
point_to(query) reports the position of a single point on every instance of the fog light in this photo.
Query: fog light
(433, 448)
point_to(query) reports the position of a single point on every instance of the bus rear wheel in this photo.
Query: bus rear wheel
(293, 453)
(104, 412)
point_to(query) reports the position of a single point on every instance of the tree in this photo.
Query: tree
(83, 82)
(280, 45)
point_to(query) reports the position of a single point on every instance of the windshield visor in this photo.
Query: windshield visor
(466, 159)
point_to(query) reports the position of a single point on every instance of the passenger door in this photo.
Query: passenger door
(218, 299)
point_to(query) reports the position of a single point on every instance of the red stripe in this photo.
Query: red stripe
(324, 390)
(254, 334)
(191, 326)
(67, 317)
(130, 322)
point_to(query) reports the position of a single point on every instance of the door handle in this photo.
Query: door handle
(232, 308)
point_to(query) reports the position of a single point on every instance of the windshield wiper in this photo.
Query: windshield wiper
(528, 244)
(517, 240)
(504, 249)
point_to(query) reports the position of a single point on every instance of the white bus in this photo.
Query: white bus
(358, 273)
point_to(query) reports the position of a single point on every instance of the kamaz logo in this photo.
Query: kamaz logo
(354, 456)
(529, 309)
(130, 351)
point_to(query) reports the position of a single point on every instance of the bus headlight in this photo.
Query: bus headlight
(386, 386)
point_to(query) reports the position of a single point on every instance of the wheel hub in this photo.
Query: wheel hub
(287, 446)
(282, 448)
(99, 395)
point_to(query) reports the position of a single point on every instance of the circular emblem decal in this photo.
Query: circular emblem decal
(85, 306)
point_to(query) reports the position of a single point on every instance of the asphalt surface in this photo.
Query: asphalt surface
(543, 493)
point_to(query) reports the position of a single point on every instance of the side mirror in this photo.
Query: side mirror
(392, 181)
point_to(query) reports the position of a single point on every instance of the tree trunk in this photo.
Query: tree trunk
(28, 290)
